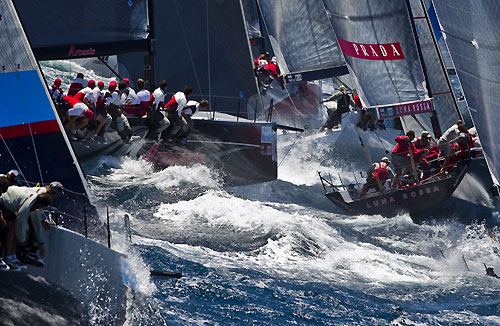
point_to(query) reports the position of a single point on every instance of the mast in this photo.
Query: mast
(441, 59)
(434, 118)
(149, 59)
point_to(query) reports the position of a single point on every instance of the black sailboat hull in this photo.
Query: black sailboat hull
(418, 199)
(245, 152)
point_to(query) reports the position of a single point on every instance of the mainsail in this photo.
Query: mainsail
(31, 137)
(302, 38)
(81, 28)
(475, 48)
(378, 44)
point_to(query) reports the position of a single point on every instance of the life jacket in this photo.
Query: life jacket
(381, 172)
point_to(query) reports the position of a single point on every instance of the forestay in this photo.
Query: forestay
(377, 41)
(302, 38)
(475, 48)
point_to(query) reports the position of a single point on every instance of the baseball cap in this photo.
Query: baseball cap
(126, 80)
(91, 83)
(425, 134)
(57, 82)
(15, 173)
(385, 159)
(89, 114)
(56, 187)
(101, 83)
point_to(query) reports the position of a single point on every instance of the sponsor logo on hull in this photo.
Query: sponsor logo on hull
(405, 196)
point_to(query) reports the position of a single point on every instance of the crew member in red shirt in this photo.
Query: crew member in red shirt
(401, 155)
(380, 172)
(77, 84)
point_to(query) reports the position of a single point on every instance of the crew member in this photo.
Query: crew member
(101, 112)
(274, 70)
(56, 92)
(114, 100)
(380, 173)
(19, 203)
(77, 116)
(428, 153)
(448, 138)
(142, 98)
(335, 115)
(86, 94)
(159, 122)
(131, 95)
(191, 108)
(77, 84)
(401, 155)
(174, 109)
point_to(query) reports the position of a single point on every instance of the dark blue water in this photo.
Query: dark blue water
(280, 254)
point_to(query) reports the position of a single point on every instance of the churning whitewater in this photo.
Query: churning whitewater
(279, 253)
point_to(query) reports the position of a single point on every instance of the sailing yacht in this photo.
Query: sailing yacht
(32, 141)
(389, 70)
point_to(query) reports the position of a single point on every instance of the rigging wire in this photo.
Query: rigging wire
(290, 149)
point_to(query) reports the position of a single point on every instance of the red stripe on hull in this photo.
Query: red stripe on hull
(41, 127)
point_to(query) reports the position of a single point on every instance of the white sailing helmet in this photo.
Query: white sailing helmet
(262, 63)
(274, 60)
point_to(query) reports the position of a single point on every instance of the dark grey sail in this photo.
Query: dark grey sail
(380, 50)
(204, 44)
(83, 28)
(443, 97)
(475, 48)
(302, 38)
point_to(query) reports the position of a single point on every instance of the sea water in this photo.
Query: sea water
(279, 253)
